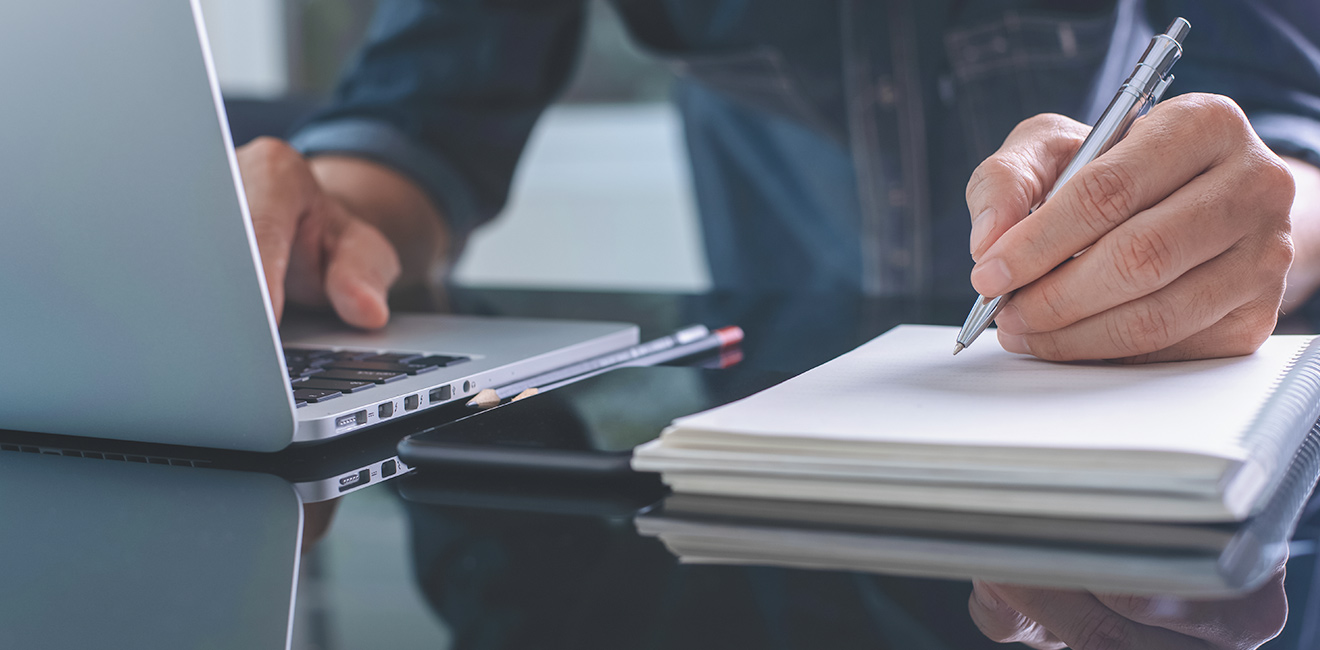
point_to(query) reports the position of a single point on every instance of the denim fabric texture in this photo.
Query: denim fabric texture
(830, 140)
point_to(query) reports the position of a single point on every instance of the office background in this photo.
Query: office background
(602, 199)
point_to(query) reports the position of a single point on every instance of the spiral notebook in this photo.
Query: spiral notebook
(902, 422)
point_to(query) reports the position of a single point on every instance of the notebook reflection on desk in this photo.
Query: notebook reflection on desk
(1131, 557)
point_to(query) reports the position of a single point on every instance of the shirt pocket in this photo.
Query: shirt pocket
(1018, 66)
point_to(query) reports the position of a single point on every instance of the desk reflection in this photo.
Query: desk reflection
(1048, 619)
(515, 563)
(115, 554)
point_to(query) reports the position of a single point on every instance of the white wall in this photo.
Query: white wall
(602, 200)
(248, 41)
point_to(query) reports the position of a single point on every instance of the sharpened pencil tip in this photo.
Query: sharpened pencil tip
(958, 347)
(487, 398)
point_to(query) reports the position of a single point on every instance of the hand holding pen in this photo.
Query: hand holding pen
(1184, 224)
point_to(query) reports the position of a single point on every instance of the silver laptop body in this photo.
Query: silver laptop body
(132, 302)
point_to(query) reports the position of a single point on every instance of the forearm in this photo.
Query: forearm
(1304, 276)
(393, 204)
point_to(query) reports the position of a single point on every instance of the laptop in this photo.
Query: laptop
(133, 300)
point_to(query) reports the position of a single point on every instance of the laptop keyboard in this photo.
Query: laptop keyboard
(320, 375)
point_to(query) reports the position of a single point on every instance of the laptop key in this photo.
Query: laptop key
(437, 360)
(394, 357)
(378, 366)
(361, 375)
(314, 396)
(301, 371)
(318, 383)
(304, 353)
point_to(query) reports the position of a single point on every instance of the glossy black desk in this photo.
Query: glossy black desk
(475, 565)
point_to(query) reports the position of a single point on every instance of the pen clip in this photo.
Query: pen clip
(1158, 93)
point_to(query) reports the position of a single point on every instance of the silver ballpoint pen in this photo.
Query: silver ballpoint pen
(1141, 91)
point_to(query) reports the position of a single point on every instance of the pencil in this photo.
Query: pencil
(485, 399)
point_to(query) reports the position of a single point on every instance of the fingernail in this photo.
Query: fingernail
(981, 227)
(1015, 343)
(991, 277)
(984, 596)
(1010, 320)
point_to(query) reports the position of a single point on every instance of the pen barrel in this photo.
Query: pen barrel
(1141, 90)
(1125, 108)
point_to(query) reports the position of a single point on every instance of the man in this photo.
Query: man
(828, 141)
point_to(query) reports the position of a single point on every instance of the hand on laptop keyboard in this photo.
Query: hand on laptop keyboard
(320, 247)
(319, 375)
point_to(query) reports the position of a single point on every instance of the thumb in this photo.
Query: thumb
(362, 266)
(1007, 185)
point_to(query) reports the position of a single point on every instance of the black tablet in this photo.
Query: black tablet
(586, 429)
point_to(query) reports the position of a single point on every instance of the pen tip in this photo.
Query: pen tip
(958, 347)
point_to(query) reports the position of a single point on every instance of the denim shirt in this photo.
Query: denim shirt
(830, 140)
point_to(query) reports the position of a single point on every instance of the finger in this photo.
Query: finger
(1242, 622)
(304, 282)
(362, 266)
(1081, 622)
(1002, 624)
(1007, 185)
(1144, 254)
(278, 188)
(1240, 332)
(1166, 149)
(1194, 302)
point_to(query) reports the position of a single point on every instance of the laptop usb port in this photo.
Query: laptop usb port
(351, 481)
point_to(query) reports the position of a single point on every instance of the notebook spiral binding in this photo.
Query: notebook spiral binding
(1250, 558)
(1284, 417)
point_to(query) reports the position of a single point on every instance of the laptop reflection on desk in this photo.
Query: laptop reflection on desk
(129, 555)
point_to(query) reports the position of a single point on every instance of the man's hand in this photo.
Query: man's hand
(1185, 224)
(1048, 619)
(339, 247)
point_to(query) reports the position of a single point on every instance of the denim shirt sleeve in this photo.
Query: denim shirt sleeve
(447, 92)
(1264, 54)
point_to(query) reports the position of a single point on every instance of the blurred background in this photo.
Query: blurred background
(602, 198)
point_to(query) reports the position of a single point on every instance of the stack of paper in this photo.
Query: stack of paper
(902, 422)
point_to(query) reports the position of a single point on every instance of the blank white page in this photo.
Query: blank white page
(907, 387)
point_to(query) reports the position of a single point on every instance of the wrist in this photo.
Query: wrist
(1304, 276)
